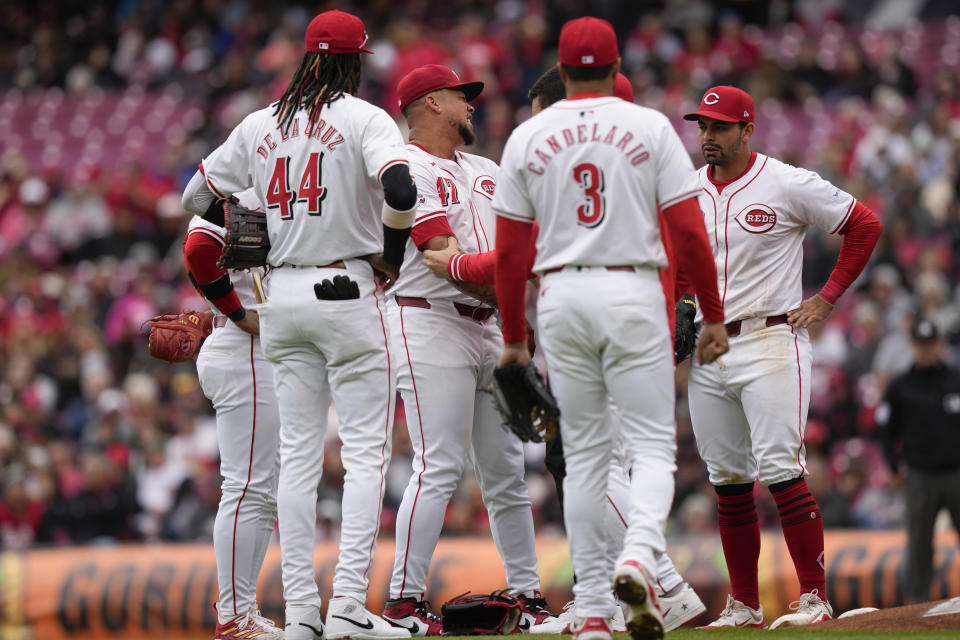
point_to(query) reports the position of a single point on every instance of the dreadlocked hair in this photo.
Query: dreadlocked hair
(320, 79)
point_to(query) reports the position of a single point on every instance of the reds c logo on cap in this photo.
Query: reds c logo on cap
(756, 218)
(711, 98)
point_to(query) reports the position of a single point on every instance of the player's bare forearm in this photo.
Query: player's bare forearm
(437, 261)
(813, 309)
(485, 293)
(250, 322)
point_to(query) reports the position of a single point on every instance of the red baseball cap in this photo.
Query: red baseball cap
(622, 88)
(336, 32)
(588, 42)
(430, 78)
(725, 103)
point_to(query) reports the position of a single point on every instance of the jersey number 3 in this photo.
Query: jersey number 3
(311, 191)
(591, 211)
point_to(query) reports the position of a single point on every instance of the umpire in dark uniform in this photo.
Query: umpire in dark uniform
(920, 425)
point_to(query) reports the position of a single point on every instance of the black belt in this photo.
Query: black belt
(333, 265)
(618, 267)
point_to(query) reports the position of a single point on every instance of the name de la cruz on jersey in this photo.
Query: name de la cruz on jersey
(327, 134)
(580, 135)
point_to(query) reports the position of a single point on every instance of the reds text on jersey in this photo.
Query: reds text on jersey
(598, 168)
(462, 191)
(311, 220)
(756, 225)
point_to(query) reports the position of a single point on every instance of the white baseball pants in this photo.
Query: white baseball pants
(605, 333)
(446, 364)
(329, 350)
(238, 380)
(749, 408)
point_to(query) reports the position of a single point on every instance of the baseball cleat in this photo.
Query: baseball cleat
(590, 629)
(303, 623)
(737, 614)
(681, 607)
(810, 609)
(560, 625)
(348, 618)
(533, 612)
(413, 615)
(633, 586)
(248, 626)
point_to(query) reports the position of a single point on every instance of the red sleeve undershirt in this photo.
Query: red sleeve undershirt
(512, 267)
(424, 231)
(201, 252)
(860, 235)
(479, 267)
(689, 237)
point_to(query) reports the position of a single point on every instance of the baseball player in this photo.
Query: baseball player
(749, 408)
(446, 345)
(592, 170)
(238, 380)
(678, 601)
(317, 160)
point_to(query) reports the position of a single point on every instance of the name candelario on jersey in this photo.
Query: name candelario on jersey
(583, 134)
(323, 132)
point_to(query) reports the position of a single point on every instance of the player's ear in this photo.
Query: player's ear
(563, 73)
(615, 69)
(432, 101)
(747, 132)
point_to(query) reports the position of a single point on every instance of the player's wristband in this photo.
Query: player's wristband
(452, 267)
(238, 315)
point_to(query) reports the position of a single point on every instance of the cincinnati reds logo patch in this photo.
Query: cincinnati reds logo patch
(485, 186)
(757, 218)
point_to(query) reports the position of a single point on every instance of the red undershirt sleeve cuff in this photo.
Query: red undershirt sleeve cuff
(423, 231)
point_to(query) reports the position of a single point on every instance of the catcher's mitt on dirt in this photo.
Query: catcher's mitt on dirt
(480, 614)
(527, 406)
(246, 243)
(685, 333)
(176, 337)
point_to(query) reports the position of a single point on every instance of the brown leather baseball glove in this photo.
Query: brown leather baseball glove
(176, 337)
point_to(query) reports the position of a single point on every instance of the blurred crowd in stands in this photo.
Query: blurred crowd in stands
(106, 107)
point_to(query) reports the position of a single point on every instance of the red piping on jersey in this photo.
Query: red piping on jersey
(473, 221)
(799, 399)
(615, 510)
(423, 451)
(209, 232)
(390, 164)
(386, 434)
(482, 230)
(716, 238)
(726, 222)
(236, 514)
(204, 174)
(846, 217)
(447, 170)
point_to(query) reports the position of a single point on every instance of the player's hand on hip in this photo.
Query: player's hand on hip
(437, 261)
(383, 272)
(250, 322)
(515, 352)
(712, 343)
(813, 309)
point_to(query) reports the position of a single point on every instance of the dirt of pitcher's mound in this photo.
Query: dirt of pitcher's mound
(909, 618)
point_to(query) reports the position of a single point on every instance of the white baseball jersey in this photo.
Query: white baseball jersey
(461, 191)
(310, 221)
(242, 279)
(757, 224)
(596, 208)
